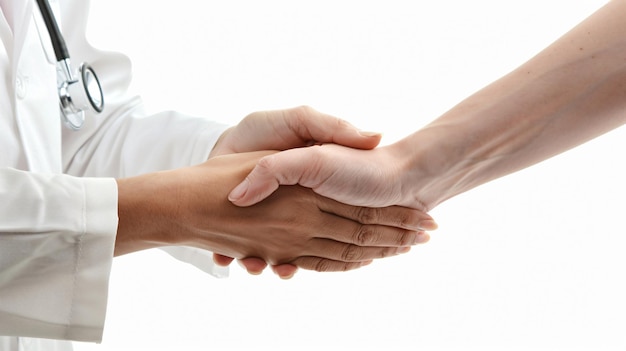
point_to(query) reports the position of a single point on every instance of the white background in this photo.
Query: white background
(533, 261)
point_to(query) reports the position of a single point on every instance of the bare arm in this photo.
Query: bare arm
(571, 92)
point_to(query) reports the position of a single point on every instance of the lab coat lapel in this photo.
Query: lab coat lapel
(13, 37)
(35, 96)
(21, 22)
(6, 34)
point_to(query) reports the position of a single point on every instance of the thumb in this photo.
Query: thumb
(248, 193)
(349, 136)
(283, 168)
(311, 124)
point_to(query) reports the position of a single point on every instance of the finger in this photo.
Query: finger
(253, 265)
(350, 231)
(396, 216)
(310, 124)
(423, 237)
(285, 271)
(374, 235)
(326, 265)
(284, 168)
(344, 252)
(222, 260)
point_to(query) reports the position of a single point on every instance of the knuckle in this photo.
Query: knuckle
(303, 110)
(400, 217)
(366, 235)
(323, 266)
(267, 162)
(299, 120)
(266, 166)
(351, 253)
(368, 215)
(409, 218)
(335, 266)
(298, 116)
(342, 123)
(387, 252)
(408, 238)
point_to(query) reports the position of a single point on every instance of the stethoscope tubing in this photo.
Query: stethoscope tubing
(58, 43)
(76, 92)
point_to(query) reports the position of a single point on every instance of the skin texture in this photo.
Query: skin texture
(282, 130)
(571, 92)
(286, 129)
(189, 207)
(291, 128)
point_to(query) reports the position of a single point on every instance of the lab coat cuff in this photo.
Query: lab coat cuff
(95, 257)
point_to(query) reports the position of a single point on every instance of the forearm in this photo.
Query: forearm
(569, 93)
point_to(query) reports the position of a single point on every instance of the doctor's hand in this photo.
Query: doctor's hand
(294, 225)
(283, 130)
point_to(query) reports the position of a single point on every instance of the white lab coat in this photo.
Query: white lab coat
(58, 197)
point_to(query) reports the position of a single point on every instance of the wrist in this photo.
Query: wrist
(142, 214)
(183, 207)
(434, 165)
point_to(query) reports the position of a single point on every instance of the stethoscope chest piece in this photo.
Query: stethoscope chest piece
(78, 95)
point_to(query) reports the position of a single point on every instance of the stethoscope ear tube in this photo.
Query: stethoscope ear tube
(75, 94)
(58, 43)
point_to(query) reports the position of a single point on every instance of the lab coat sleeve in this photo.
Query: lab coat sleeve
(58, 236)
(123, 141)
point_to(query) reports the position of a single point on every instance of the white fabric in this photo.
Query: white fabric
(58, 198)
(6, 10)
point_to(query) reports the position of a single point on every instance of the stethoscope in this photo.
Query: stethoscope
(76, 94)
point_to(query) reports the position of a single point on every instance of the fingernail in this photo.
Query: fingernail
(239, 191)
(422, 238)
(428, 225)
(369, 134)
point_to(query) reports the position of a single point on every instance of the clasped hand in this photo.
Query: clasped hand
(289, 129)
(294, 225)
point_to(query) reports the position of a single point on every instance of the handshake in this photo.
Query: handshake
(329, 202)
